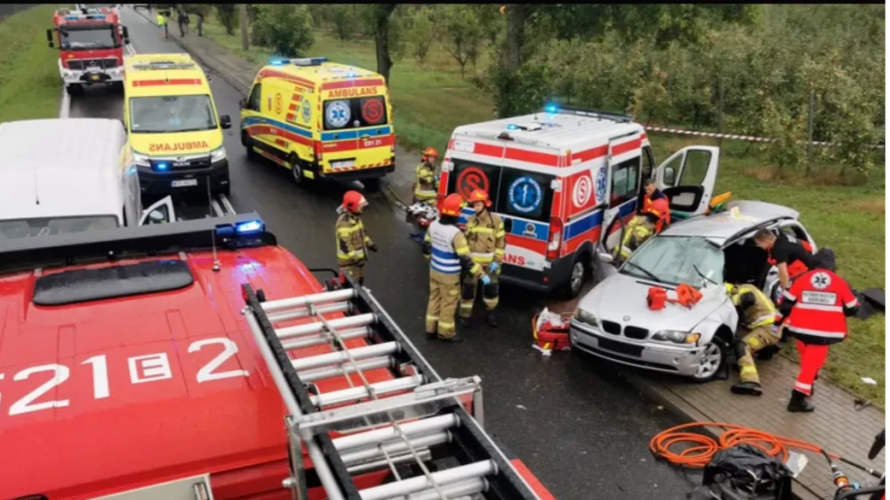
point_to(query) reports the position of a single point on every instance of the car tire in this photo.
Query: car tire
(717, 350)
(577, 275)
(74, 89)
(296, 169)
(117, 87)
(225, 189)
(247, 142)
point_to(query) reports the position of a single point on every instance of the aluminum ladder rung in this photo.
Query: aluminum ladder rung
(334, 307)
(334, 371)
(331, 358)
(454, 491)
(361, 392)
(305, 300)
(394, 447)
(376, 437)
(320, 338)
(318, 326)
(420, 483)
(404, 458)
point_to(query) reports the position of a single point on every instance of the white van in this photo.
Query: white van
(70, 175)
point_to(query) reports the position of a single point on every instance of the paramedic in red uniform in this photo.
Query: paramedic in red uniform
(815, 311)
(790, 255)
(650, 194)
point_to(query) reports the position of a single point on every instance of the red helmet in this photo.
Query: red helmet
(353, 201)
(430, 151)
(479, 195)
(452, 205)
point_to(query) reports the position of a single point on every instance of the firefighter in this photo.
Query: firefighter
(487, 239)
(352, 242)
(638, 231)
(756, 317)
(814, 312)
(425, 177)
(790, 255)
(446, 248)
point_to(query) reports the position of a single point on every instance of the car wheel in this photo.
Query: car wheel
(247, 142)
(577, 274)
(713, 357)
(74, 89)
(296, 168)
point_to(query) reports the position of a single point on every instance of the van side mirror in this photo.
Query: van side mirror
(126, 33)
(605, 258)
(243, 103)
(49, 37)
(225, 122)
(669, 176)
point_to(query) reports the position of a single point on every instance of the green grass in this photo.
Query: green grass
(429, 102)
(30, 85)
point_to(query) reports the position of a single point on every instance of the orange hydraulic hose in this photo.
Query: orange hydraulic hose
(700, 449)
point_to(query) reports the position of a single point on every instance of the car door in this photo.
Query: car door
(161, 212)
(622, 190)
(794, 229)
(687, 178)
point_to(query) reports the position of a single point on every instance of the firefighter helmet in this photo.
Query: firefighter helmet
(430, 152)
(353, 201)
(479, 195)
(452, 205)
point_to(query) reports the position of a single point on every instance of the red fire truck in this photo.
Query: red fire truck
(200, 360)
(91, 47)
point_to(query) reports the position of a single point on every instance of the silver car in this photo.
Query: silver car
(614, 322)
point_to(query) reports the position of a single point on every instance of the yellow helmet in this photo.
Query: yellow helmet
(731, 289)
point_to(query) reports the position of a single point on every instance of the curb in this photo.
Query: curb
(689, 413)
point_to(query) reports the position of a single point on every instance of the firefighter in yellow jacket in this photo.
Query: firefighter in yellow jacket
(446, 248)
(425, 177)
(487, 239)
(757, 313)
(352, 242)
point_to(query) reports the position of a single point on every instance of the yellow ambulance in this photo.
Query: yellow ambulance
(173, 128)
(321, 120)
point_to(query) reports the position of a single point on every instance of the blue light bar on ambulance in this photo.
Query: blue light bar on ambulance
(308, 61)
(551, 108)
(249, 227)
(276, 62)
(512, 127)
(87, 16)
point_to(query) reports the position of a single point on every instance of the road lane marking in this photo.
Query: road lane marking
(65, 107)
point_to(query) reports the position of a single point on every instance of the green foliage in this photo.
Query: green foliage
(345, 19)
(30, 86)
(227, 14)
(420, 31)
(463, 33)
(287, 28)
(196, 8)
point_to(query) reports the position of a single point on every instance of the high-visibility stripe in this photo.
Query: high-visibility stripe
(816, 333)
(500, 234)
(444, 325)
(764, 320)
(819, 307)
(748, 369)
(488, 255)
(802, 385)
(499, 251)
(477, 229)
(462, 250)
(788, 295)
(852, 304)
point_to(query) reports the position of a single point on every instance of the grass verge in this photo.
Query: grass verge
(430, 101)
(30, 86)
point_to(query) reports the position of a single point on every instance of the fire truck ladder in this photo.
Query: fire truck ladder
(415, 423)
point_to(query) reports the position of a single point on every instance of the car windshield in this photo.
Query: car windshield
(100, 37)
(675, 260)
(23, 228)
(185, 113)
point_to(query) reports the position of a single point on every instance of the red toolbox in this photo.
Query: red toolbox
(552, 334)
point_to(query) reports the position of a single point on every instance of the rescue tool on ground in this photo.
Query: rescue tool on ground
(175, 133)
(321, 120)
(145, 351)
(562, 180)
(91, 47)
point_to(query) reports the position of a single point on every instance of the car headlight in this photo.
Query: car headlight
(141, 160)
(676, 336)
(585, 317)
(218, 154)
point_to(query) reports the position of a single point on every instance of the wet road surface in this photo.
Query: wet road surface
(577, 424)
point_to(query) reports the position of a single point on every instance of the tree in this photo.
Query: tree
(463, 33)
(228, 17)
(380, 17)
(345, 19)
(287, 28)
(421, 32)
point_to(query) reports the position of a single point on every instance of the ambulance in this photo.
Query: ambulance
(321, 120)
(174, 130)
(564, 180)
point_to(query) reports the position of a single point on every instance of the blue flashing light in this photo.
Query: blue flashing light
(551, 108)
(512, 127)
(248, 227)
(276, 62)
(162, 166)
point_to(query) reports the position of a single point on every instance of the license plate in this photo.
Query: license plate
(343, 164)
(180, 163)
(620, 347)
(184, 183)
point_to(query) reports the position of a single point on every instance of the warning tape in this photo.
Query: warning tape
(736, 137)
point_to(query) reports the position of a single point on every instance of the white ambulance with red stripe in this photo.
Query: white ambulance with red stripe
(563, 180)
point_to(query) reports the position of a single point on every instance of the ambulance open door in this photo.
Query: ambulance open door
(687, 178)
(622, 186)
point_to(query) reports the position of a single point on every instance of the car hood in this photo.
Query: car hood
(174, 144)
(622, 299)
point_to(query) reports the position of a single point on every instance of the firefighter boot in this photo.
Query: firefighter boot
(800, 403)
(747, 388)
(464, 322)
(456, 339)
(490, 319)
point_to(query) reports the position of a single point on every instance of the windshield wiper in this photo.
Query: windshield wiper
(703, 276)
(646, 271)
(196, 129)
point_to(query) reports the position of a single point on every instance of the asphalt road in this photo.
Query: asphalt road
(578, 425)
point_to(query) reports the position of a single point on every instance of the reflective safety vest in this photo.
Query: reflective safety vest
(351, 239)
(763, 312)
(444, 257)
(819, 303)
(425, 183)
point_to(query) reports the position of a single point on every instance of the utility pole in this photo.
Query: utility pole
(243, 16)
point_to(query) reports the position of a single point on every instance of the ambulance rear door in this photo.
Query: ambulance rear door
(623, 167)
(687, 178)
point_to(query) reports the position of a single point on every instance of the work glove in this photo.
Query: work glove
(493, 267)
(486, 280)
(775, 329)
(372, 247)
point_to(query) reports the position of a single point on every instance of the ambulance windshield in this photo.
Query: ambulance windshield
(188, 113)
(674, 260)
(91, 38)
(24, 228)
(345, 114)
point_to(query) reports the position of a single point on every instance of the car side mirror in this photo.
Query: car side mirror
(225, 122)
(243, 103)
(49, 37)
(605, 258)
(157, 216)
(126, 33)
(669, 176)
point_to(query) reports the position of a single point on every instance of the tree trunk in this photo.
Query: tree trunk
(515, 37)
(381, 39)
(245, 45)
